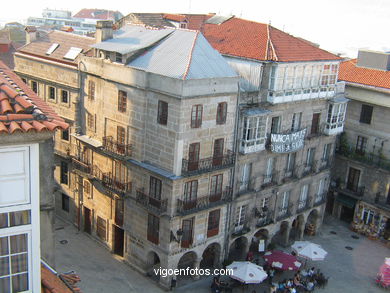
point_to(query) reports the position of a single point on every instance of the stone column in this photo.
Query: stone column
(196, 266)
(286, 236)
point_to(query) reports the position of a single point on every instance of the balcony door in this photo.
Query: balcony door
(188, 227)
(190, 194)
(315, 122)
(216, 188)
(193, 156)
(218, 152)
(353, 179)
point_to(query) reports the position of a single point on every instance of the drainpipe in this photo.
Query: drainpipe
(230, 204)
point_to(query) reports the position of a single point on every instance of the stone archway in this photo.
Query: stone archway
(312, 223)
(188, 260)
(238, 249)
(211, 256)
(282, 236)
(261, 234)
(297, 228)
(153, 262)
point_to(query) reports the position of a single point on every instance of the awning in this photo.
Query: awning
(346, 200)
(88, 140)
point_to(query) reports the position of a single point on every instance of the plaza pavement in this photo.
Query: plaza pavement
(349, 271)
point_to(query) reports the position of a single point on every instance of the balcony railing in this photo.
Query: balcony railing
(303, 205)
(116, 148)
(204, 202)
(208, 164)
(325, 164)
(115, 184)
(241, 228)
(283, 213)
(264, 220)
(319, 199)
(310, 168)
(81, 166)
(366, 158)
(158, 206)
(290, 174)
(270, 179)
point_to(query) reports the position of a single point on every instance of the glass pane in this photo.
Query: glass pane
(4, 267)
(4, 285)
(3, 245)
(19, 263)
(4, 220)
(20, 283)
(20, 218)
(19, 243)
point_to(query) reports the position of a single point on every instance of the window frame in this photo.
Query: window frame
(64, 173)
(196, 116)
(122, 101)
(162, 113)
(213, 223)
(221, 113)
(91, 89)
(34, 86)
(101, 224)
(155, 187)
(366, 114)
(65, 202)
(153, 229)
(52, 93)
(67, 96)
(361, 145)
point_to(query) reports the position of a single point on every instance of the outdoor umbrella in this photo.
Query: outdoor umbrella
(282, 260)
(384, 273)
(309, 250)
(247, 272)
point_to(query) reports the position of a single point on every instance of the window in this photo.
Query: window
(264, 204)
(90, 121)
(353, 179)
(64, 173)
(366, 114)
(296, 122)
(188, 228)
(290, 162)
(240, 217)
(119, 211)
(13, 219)
(336, 115)
(275, 124)
(245, 176)
(221, 113)
(285, 199)
(65, 202)
(87, 187)
(122, 101)
(321, 188)
(193, 156)
(155, 188)
(367, 216)
(91, 89)
(65, 134)
(218, 151)
(216, 187)
(64, 96)
(121, 135)
(52, 93)
(196, 116)
(270, 170)
(213, 223)
(24, 80)
(361, 144)
(326, 153)
(34, 86)
(315, 123)
(190, 194)
(153, 232)
(310, 156)
(253, 133)
(14, 263)
(162, 116)
(101, 228)
(303, 196)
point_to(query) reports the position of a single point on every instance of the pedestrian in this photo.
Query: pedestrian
(173, 282)
(271, 274)
(272, 289)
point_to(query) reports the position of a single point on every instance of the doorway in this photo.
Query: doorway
(119, 238)
(87, 220)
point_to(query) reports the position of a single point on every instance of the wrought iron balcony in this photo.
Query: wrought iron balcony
(319, 199)
(208, 164)
(158, 206)
(303, 205)
(115, 184)
(241, 228)
(325, 164)
(309, 169)
(283, 213)
(264, 220)
(115, 148)
(290, 174)
(82, 166)
(201, 203)
(270, 179)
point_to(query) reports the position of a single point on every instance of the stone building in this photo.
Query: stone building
(361, 176)
(27, 126)
(290, 111)
(173, 159)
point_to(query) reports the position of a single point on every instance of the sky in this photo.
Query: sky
(339, 26)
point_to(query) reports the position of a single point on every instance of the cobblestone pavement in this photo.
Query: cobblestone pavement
(349, 271)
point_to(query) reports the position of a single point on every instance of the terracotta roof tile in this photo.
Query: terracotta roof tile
(65, 40)
(21, 110)
(253, 40)
(51, 283)
(350, 72)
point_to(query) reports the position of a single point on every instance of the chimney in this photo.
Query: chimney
(103, 30)
(31, 34)
(374, 60)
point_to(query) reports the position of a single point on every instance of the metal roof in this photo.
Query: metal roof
(184, 54)
(131, 38)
